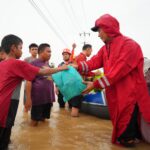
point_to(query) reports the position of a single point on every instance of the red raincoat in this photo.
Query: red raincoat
(122, 60)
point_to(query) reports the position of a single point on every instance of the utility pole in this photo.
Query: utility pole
(84, 34)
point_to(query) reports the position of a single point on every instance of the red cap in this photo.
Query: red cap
(66, 50)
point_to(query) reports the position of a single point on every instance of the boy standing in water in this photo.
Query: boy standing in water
(12, 72)
(40, 92)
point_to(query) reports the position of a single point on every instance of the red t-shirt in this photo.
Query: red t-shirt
(80, 58)
(12, 72)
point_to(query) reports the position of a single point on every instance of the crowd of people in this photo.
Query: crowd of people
(121, 59)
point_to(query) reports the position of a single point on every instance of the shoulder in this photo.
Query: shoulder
(62, 63)
(17, 64)
(131, 44)
(27, 59)
(128, 41)
(21, 63)
(37, 63)
(80, 56)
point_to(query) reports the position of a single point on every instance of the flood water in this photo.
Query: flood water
(62, 132)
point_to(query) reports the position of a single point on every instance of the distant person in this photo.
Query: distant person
(66, 60)
(33, 50)
(12, 72)
(123, 80)
(40, 92)
(86, 52)
(75, 102)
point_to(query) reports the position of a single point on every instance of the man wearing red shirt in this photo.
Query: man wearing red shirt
(12, 72)
(86, 52)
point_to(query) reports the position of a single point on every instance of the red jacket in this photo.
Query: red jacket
(122, 60)
(81, 57)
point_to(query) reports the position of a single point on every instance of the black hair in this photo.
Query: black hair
(86, 46)
(8, 41)
(42, 47)
(33, 45)
(1, 50)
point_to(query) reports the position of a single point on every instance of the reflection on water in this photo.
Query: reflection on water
(62, 132)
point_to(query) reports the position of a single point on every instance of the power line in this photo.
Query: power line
(50, 14)
(70, 17)
(42, 15)
(84, 14)
(74, 14)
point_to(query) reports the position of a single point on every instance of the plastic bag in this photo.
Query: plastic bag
(69, 83)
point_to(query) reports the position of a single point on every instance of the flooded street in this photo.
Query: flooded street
(62, 132)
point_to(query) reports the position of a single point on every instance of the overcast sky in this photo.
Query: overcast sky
(59, 22)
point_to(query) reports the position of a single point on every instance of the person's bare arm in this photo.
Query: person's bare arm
(28, 102)
(47, 70)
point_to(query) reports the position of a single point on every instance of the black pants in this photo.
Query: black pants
(76, 101)
(60, 100)
(5, 132)
(41, 112)
(132, 131)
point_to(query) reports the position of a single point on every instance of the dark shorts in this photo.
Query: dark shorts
(12, 113)
(76, 101)
(5, 133)
(41, 112)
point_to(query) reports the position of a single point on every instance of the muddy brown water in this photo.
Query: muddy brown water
(61, 132)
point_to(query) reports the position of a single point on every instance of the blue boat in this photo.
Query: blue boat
(95, 104)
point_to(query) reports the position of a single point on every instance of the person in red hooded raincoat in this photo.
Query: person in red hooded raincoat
(126, 91)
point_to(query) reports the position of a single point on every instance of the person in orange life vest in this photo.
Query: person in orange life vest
(72, 56)
(86, 52)
(68, 57)
(123, 80)
(66, 60)
(75, 102)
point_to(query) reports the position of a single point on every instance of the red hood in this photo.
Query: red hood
(109, 24)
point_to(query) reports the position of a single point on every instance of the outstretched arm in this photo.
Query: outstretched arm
(47, 70)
